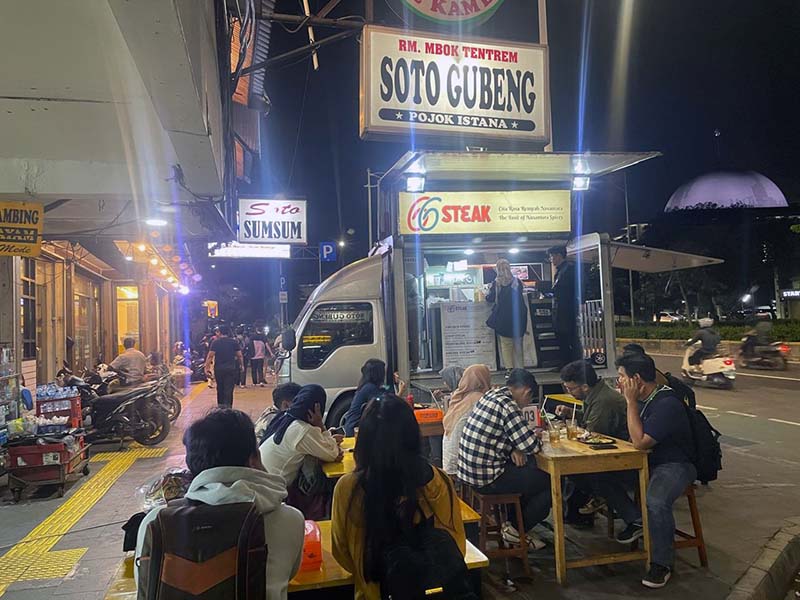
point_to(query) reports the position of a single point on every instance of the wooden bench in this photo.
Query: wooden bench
(329, 575)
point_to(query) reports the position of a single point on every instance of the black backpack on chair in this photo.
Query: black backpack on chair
(425, 564)
(708, 452)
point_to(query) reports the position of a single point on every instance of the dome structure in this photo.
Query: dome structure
(727, 190)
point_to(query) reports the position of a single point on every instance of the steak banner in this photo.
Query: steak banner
(540, 211)
(434, 85)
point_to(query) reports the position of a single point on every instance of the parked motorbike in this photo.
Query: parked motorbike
(714, 371)
(136, 413)
(193, 363)
(773, 356)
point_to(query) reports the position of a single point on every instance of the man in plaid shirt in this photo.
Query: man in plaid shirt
(494, 451)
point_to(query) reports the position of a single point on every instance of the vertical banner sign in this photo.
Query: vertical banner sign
(435, 85)
(21, 225)
(272, 221)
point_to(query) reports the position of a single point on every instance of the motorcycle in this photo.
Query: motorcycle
(193, 363)
(714, 371)
(132, 413)
(773, 356)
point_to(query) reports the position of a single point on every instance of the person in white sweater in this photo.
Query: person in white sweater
(297, 433)
(221, 453)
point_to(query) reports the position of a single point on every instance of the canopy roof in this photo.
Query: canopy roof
(638, 258)
(512, 166)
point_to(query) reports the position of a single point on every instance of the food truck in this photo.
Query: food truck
(418, 302)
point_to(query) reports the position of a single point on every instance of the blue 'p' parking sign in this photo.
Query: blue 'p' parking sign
(327, 251)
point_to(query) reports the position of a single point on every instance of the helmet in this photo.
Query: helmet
(706, 322)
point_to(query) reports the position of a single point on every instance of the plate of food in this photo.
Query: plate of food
(595, 439)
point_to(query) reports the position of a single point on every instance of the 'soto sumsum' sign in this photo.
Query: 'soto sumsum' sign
(272, 221)
(437, 85)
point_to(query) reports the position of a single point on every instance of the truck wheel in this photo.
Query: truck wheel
(340, 407)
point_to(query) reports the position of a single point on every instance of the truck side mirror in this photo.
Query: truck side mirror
(289, 340)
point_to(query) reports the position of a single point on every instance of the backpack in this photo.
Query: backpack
(425, 563)
(707, 450)
(683, 391)
(196, 550)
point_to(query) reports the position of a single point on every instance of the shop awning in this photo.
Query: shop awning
(638, 258)
(513, 166)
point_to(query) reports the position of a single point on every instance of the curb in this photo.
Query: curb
(771, 574)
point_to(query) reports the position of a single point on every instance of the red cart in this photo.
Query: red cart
(46, 464)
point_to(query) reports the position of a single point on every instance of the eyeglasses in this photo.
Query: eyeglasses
(570, 389)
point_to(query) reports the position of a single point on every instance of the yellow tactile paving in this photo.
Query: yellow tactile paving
(31, 558)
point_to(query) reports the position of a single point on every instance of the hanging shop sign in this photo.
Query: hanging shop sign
(434, 85)
(790, 294)
(539, 211)
(237, 250)
(272, 221)
(21, 225)
(454, 11)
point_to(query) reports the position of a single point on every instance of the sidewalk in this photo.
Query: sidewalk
(69, 548)
(740, 512)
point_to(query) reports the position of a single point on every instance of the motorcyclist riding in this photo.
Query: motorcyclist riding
(708, 338)
(760, 335)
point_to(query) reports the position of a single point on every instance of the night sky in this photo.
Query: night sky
(693, 66)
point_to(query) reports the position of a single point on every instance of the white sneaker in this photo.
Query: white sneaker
(511, 536)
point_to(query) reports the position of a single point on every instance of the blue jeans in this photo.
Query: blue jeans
(668, 481)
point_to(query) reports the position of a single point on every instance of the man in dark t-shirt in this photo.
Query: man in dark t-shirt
(658, 422)
(226, 356)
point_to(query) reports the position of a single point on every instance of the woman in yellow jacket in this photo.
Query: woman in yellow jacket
(371, 506)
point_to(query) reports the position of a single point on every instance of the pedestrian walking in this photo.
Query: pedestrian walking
(226, 356)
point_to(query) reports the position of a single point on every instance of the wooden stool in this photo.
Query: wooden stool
(687, 540)
(697, 540)
(496, 505)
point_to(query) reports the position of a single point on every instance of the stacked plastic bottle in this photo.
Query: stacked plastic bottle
(51, 391)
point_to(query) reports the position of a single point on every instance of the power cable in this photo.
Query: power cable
(58, 535)
(299, 125)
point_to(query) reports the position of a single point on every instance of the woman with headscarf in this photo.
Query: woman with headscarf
(509, 317)
(475, 382)
(451, 377)
(297, 433)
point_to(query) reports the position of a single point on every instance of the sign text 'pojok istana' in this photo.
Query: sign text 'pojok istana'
(436, 85)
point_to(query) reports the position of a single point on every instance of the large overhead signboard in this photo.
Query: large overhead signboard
(272, 221)
(539, 211)
(434, 85)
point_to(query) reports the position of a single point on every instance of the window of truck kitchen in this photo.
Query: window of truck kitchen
(333, 326)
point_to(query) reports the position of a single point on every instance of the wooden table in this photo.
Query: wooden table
(572, 458)
(334, 470)
(329, 575)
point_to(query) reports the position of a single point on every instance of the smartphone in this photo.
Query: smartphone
(603, 447)
(337, 431)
